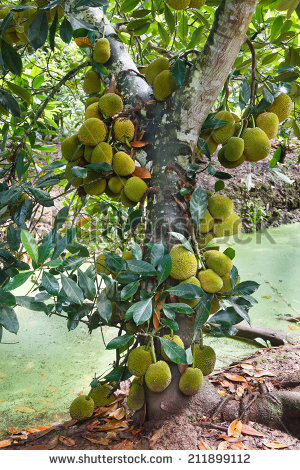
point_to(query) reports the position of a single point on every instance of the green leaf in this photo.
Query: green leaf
(38, 30)
(9, 103)
(8, 319)
(164, 268)
(140, 311)
(178, 71)
(163, 34)
(79, 172)
(52, 31)
(134, 219)
(245, 94)
(66, 31)
(128, 6)
(115, 262)
(170, 20)
(171, 309)
(87, 285)
(119, 342)
(172, 324)
(230, 252)
(118, 374)
(174, 352)
(202, 144)
(72, 290)
(141, 267)
(186, 291)
(17, 281)
(219, 185)
(183, 27)
(129, 290)
(276, 28)
(12, 60)
(50, 283)
(203, 311)
(157, 252)
(31, 304)
(198, 205)
(6, 22)
(30, 245)
(13, 238)
(61, 217)
(196, 38)
(226, 317)
(104, 307)
(136, 251)
(6, 298)
(182, 240)
(246, 288)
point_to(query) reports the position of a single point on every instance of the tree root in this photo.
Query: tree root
(276, 337)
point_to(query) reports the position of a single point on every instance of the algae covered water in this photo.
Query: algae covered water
(46, 366)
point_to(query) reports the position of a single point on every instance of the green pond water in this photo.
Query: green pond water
(43, 372)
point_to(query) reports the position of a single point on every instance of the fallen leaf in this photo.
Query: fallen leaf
(235, 428)
(229, 439)
(14, 431)
(53, 442)
(118, 414)
(113, 424)
(67, 441)
(123, 445)
(40, 428)
(156, 436)
(240, 391)
(138, 144)
(251, 431)
(225, 383)
(203, 445)
(222, 393)
(182, 367)
(5, 443)
(246, 366)
(266, 373)
(235, 378)
(275, 445)
(223, 445)
(101, 442)
(237, 446)
(25, 409)
(37, 447)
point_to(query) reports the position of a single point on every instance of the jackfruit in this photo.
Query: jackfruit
(99, 395)
(91, 82)
(88, 153)
(214, 306)
(123, 164)
(139, 360)
(127, 255)
(210, 281)
(91, 100)
(207, 223)
(158, 376)
(94, 184)
(220, 206)
(191, 381)
(124, 130)
(178, 4)
(101, 266)
(257, 144)
(157, 66)
(125, 201)
(134, 188)
(136, 396)
(203, 240)
(92, 111)
(197, 3)
(176, 339)
(230, 226)
(226, 163)
(92, 132)
(184, 263)
(218, 262)
(281, 106)
(212, 146)
(191, 302)
(69, 175)
(269, 123)
(102, 153)
(224, 133)
(101, 52)
(227, 285)
(70, 148)
(112, 195)
(116, 184)
(131, 327)
(237, 123)
(163, 85)
(82, 407)
(234, 149)
(205, 358)
(110, 104)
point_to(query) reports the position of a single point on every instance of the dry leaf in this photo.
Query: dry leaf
(275, 445)
(5, 443)
(118, 414)
(14, 431)
(101, 442)
(40, 428)
(246, 366)
(229, 439)
(67, 441)
(235, 378)
(203, 445)
(37, 447)
(251, 431)
(223, 445)
(53, 442)
(25, 409)
(265, 373)
(83, 221)
(111, 425)
(182, 367)
(225, 383)
(139, 144)
(222, 393)
(235, 428)
(237, 446)
(156, 436)
(123, 445)
(240, 391)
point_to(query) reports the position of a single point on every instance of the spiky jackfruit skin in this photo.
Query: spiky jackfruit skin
(220, 207)
(163, 85)
(257, 144)
(136, 396)
(206, 223)
(184, 263)
(157, 66)
(269, 123)
(91, 82)
(110, 104)
(102, 153)
(69, 175)
(125, 201)
(205, 359)
(81, 407)
(197, 3)
(227, 285)
(124, 130)
(94, 184)
(234, 149)
(116, 184)
(226, 163)
(191, 381)
(99, 395)
(88, 153)
(281, 106)
(123, 164)
(210, 281)
(101, 52)
(218, 262)
(158, 376)
(139, 360)
(101, 266)
(214, 306)
(230, 226)
(91, 100)
(127, 255)
(134, 188)
(178, 4)
(92, 132)
(191, 302)
(176, 339)
(70, 150)
(92, 111)
(224, 133)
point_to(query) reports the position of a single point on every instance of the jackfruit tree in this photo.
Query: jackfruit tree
(164, 87)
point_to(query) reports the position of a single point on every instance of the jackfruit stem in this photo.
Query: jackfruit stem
(201, 338)
(241, 128)
(127, 143)
(109, 135)
(153, 351)
(253, 121)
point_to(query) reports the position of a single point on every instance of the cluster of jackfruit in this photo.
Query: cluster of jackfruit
(183, 4)
(83, 406)
(104, 138)
(159, 76)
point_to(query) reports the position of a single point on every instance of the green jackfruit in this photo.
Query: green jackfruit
(226, 163)
(205, 358)
(82, 407)
(123, 164)
(112, 195)
(102, 153)
(191, 381)
(230, 226)
(91, 82)
(92, 111)
(197, 3)
(158, 376)
(184, 263)
(218, 262)
(99, 395)
(214, 306)
(101, 266)
(257, 144)
(92, 132)
(69, 175)
(131, 328)
(204, 239)
(206, 223)
(127, 255)
(94, 184)
(234, 149)
(101, 52)
(91, 100)
(157, 66)
(227, 285)
(220, 206)
(269, 123)
(110, 104)
(88, 153)
(134, 188)
(136, 396)
(281, 106)
(70, 148)
(178, 4)
(163, 85)
(124, 130)
(116, 184)
(139, 360)
(210, 281)
(191, 302)
(224, 133)
(125, 201)
(176, 339)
